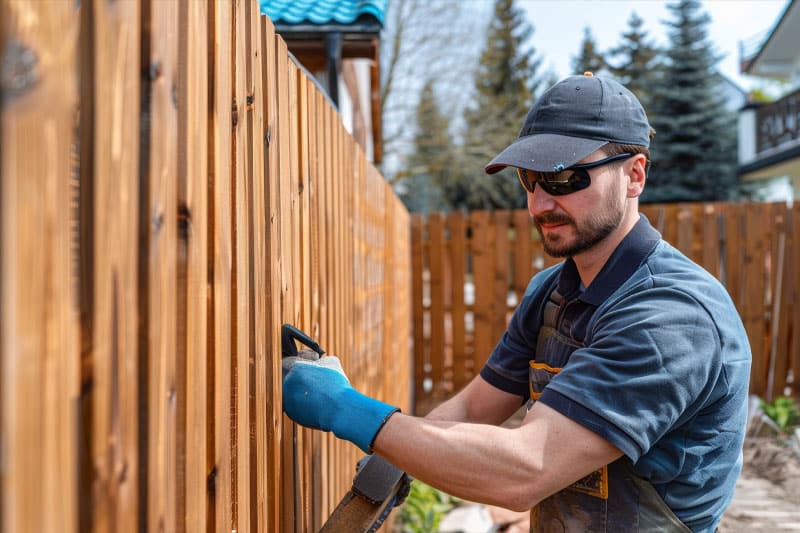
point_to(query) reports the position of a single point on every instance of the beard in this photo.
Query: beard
(588, 232)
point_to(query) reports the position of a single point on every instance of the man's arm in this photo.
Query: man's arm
(478, 402)
(513, 468)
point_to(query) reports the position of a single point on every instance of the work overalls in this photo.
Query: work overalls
(612, 499)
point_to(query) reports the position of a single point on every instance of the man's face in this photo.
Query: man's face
(576, 222)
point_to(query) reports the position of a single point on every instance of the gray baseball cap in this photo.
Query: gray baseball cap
(572, 119)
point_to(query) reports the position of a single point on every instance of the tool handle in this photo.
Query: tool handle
(289, 334)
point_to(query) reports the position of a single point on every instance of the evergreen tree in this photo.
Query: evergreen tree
(636, 62)
(694, 151)
(590, 59)
(504, 87)
(425, 177)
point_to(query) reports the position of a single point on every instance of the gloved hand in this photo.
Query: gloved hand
(317, 394)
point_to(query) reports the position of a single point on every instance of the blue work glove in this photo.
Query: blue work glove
(317, 394)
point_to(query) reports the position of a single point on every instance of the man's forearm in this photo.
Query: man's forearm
(477, 462)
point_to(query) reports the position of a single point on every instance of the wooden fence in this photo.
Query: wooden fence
(470, 270)
(173, 189)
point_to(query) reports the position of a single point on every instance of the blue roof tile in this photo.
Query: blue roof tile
(322, 11)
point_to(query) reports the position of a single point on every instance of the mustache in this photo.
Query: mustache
(553, 218)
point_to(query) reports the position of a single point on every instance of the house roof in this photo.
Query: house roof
(322, 11)
(778, 51)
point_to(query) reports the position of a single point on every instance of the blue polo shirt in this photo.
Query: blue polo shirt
(662, 372)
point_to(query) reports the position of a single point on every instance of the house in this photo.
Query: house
(769, 134)
(338, 43)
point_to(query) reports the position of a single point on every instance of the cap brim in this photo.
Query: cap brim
(544, 152)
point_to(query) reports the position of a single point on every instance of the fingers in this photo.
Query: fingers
(329, 361)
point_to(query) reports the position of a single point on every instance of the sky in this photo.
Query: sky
(558, 27)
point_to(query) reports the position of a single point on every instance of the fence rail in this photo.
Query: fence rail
(173, 189)
(470, 270)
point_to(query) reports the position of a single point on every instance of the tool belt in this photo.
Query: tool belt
(613, 498)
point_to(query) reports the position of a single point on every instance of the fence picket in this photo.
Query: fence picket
(40, 194)
(456, 226)
(193, 258)
(436, 251)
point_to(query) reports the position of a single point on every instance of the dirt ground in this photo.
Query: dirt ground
(767, 497)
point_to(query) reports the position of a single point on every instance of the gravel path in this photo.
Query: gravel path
(767, 497)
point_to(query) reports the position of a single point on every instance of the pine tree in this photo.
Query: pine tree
(590, 59)
(504, 87)
(636, 62)
(694, 151)
(425, 183)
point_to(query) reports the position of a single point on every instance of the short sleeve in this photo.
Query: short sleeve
(508, 365)
(649, 363)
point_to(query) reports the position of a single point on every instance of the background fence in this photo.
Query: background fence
(173, 189)
(469, 271)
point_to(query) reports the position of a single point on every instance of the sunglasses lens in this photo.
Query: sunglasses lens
(554, 183)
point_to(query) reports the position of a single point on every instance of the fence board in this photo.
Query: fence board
(502, 274)
(793, 271)
(114, 364)
(778, 284)
(482, 251)
(193, 258)
(710, 244)
(417, 266)
(159, 245)
(39, 321)
(222, 267)
(436, 252)
(523, 251)
(457, 228)
(269, 438)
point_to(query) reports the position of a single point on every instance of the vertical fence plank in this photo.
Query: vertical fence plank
(754, 274)
(222, 267)
(240, 309)
(255, 183)
(269, 440)
(483, 257)
(159, 246)
(115, 358)
(436, 251)
(502, 274)
(456, 225)
(779, 287)
(417, 297)
(523, 253)
(193, 258)
(709, 240)
(39, 350)
(793, 271)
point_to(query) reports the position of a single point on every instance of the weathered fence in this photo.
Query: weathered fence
(470, 269)
(173, 189)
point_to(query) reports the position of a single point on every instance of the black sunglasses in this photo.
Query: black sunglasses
(567, 181)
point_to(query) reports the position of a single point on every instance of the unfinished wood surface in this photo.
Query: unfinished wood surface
(193, 260)
(220, 234)
(457, 248)
(502, 274)
(115, 364)
(268, 368)
(159, 248)
(483, 262)
(39, 329)
(436, 251)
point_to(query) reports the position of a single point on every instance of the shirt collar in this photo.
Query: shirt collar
(626, 258)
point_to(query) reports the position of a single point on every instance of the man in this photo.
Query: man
(633, 359)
